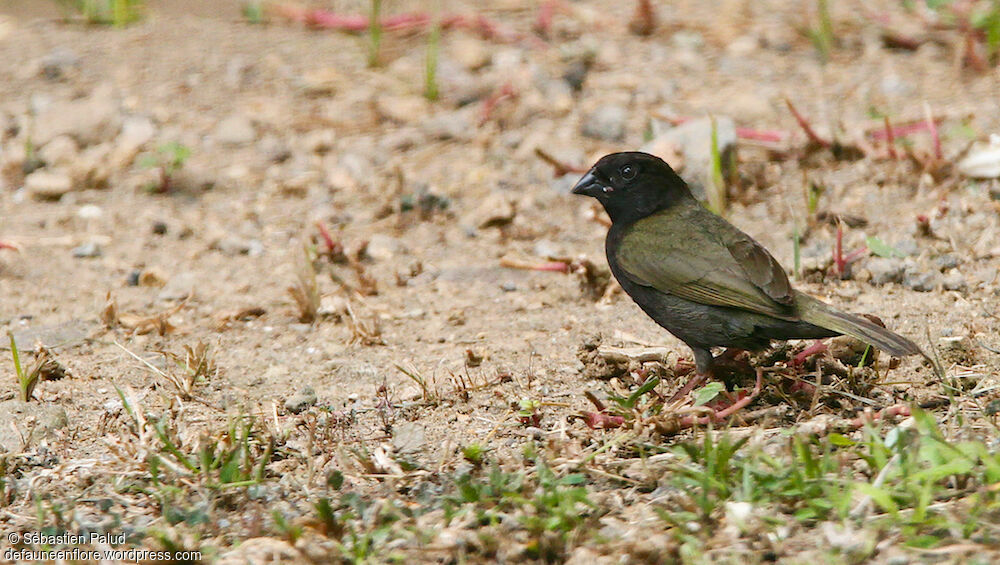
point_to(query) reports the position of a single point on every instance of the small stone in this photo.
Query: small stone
(320, 82)
(606, 122)
(408, 438)
(496, 210)
(274, 149)
(547, 249)
(136, 132)
(457, 125)
(884, 270)
(319, 141)
(382, 247)
(88, 120)
(907, 247)
(921, 281)
(946, 262)
(508, 287)
(954, 281)
(59, 64)
(301, 401)
(60, 151)
(87, 250)
(232, 246)
(402, 109)
(133, 277)
(89, 212)
(179, 287)
(235, 129)
(159, 228)
(45, 185)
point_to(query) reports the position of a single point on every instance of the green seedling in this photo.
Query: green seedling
(168, 159)
(822, 35)
(254, 13)
(716, 182)
(430, 69)
(374, 33)
(28, 380)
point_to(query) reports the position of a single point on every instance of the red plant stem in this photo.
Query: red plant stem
(814, 349)
(745, 133)
(902, 130)
(543, 23)
(855, 255)
(804, 124)
(600, 420)
(838, 251)
(506, 91)
(331, 245)
(890, 139)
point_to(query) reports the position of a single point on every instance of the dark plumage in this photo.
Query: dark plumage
(700, 277)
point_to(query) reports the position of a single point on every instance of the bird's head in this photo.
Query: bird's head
(632, 185)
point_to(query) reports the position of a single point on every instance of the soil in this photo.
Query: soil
(441, 192)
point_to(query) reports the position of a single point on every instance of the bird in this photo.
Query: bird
(700, 277)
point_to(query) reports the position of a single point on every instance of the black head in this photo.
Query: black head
(632, 185)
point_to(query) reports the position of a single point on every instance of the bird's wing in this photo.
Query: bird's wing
(701, 257)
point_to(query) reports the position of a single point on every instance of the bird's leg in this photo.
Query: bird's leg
(703, 372)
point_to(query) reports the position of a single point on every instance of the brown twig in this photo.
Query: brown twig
(890, 140)
(549, 266)
(561, 167)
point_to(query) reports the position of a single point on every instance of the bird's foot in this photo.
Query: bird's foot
(737, 405)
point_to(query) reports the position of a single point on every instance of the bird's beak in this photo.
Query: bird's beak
(590, 185)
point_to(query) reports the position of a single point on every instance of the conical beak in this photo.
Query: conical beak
(590, 185)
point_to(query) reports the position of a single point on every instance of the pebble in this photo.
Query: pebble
(235, 129)
(301, 400)
(179, 287)
(159, 228)
(13, 416)
(693, 140)
(89, 120)
(136, 132)
(319, 140)
(59, 64)
(87, 250)
(382, 247)
(946, 261)
(46, 185)
(884, 270)
(921, 281)
(89, 212)
(274, 149)
(62, 150)
(496, 210)
(508, 287)
(954, 281)
(606, 122)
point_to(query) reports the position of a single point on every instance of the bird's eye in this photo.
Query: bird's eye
(627, 172)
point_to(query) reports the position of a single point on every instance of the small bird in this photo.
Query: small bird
(701, 278)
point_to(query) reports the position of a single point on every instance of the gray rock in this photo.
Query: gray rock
(14, 416)
(301, 400)
(457, 125)
(45, 185)
(693, 140)
(954, 281)
(907, 247)
(274, 149)
(89, 120)
(408, 438)
(497, 209)
(547, 248)
(232, 246)
(179, 287)
(59, 64)
(946, 262)
(235, 129)
(884, 270)
(921, 281)
(606, 122)
(88, 250)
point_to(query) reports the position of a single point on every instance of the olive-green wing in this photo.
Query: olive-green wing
(703, 258)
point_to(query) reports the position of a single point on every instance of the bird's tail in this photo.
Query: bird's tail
(822, 314)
